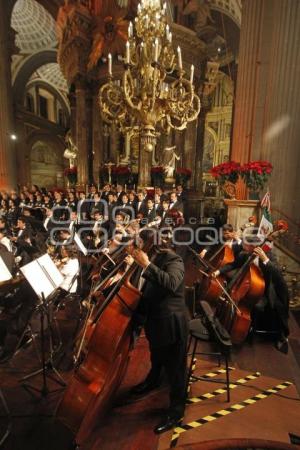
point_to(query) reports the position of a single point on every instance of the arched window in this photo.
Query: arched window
(29, 102)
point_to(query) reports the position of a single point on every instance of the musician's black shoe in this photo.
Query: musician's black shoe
(145, 387)
(167, 424)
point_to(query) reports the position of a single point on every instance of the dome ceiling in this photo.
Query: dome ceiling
(35, 27)
(52, 74)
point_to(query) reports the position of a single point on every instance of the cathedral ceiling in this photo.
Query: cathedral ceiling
(35, 27)
(36, 32)
(232, 8)
(52, 74)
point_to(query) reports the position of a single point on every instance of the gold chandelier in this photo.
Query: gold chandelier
(148, 100)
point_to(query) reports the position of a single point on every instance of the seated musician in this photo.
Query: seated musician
(276, 297)
(17, 311)
(229, 237)
(69, 268)
(163, 311)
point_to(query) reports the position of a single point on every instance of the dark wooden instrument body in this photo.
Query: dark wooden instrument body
(210, 289)
(90, 390)
(245, 292)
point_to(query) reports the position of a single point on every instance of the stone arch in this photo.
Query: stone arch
(44, 156)
(231, 8)
(29, 66)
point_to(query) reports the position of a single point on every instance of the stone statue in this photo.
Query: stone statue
(169, 161)
(71, 151)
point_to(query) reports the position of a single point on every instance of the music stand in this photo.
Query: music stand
(5, 274)
(44, 278)
(8, 415)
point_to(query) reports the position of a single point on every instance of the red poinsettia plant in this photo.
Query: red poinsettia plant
(228, 171)
(157, 169)
(255, 174)
(120, 170)
(70, 171)
(182, 175)
(183, 171)
(157, 175)
(71, 174)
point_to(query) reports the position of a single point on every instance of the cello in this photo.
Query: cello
(93, 384)
(243, 291)
(209, 287)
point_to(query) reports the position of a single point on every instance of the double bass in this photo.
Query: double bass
(93, 384)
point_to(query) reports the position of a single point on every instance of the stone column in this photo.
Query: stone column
(179, 143)
(84, 131)
(8, 166)
(267, 105)
(98, 150)
(198, 172)
(145, 164)
(72, 101)
(89, 135)
(190, 148)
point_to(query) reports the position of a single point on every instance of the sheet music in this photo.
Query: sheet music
(43, 275)
(80, 245)
(4, 272)
(52, 271)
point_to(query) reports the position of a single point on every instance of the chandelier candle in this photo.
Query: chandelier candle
(152, 96)
(192, 73)
(109, 64)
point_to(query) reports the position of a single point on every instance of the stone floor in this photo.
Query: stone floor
(129, 424)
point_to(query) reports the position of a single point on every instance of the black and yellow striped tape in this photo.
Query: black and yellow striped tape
(212, 374)
(206, 375)
(224, 412)
(223, 390)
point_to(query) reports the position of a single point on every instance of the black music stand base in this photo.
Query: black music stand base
(8, 415)
(46, 365)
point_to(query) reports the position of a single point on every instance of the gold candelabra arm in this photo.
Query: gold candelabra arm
(111, 102)
(128, 86)
(154, 87)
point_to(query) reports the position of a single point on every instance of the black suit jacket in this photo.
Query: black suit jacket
(142, 208)
(177, 205)
(182, 196)
(162, 303)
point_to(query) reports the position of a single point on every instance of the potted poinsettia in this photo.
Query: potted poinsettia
(71, 174)
(256, 174)
(157, 176)
(121, 174)
(227, 174)
(182, 175)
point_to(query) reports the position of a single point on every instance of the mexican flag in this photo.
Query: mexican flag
(266, 225)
